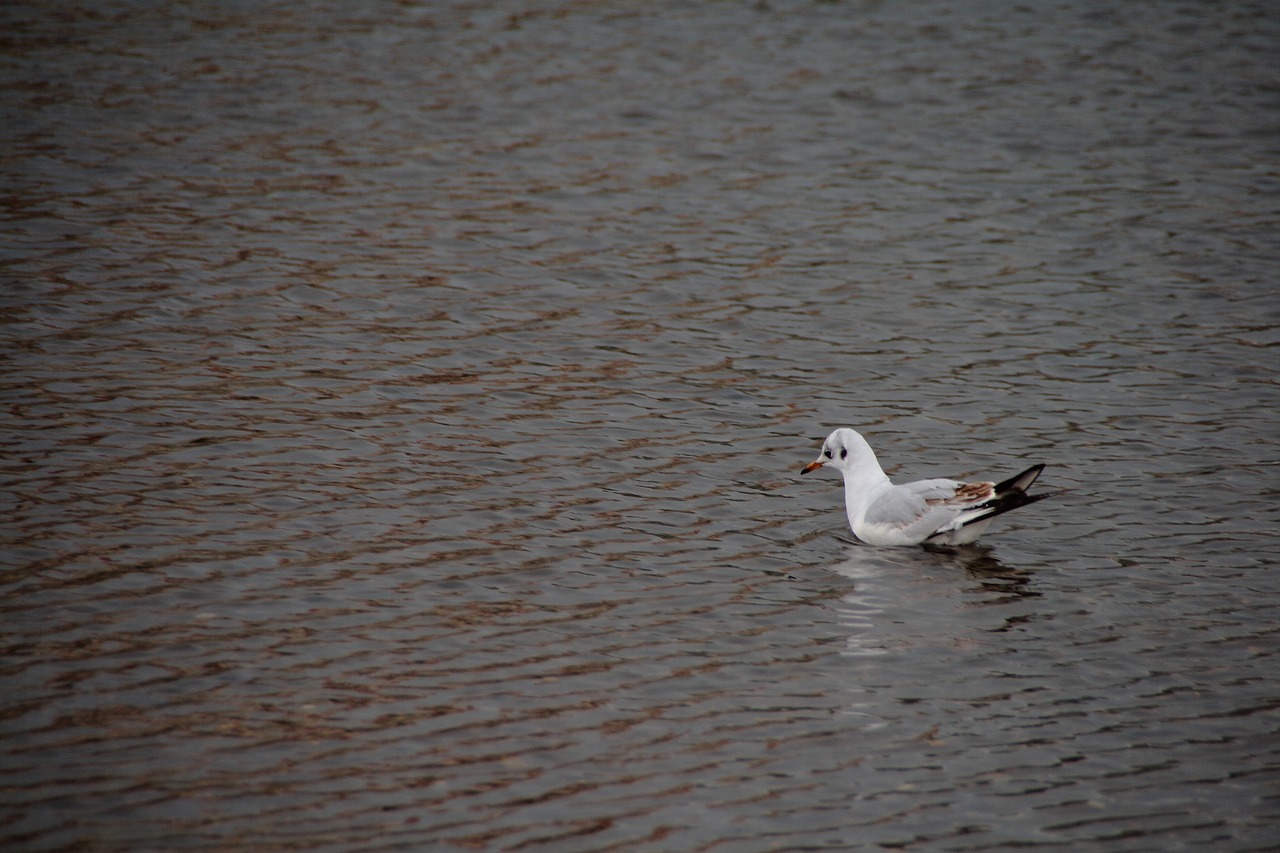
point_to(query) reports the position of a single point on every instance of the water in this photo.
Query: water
(404, 407)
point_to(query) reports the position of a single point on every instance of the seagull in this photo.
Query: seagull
(940, 512)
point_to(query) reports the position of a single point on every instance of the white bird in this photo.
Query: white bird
(944, 512)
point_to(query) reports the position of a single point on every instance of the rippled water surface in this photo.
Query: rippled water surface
(403, 407)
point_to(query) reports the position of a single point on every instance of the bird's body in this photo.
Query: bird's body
(943, 512)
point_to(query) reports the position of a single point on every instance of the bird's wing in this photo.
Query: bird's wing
(979, 502)
(915, 511)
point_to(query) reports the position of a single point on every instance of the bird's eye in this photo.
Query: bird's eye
(844, 451)
(826, 452)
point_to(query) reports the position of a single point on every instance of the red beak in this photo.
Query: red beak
(811, 467)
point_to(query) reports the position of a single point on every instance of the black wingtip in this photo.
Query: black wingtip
(1020, 482)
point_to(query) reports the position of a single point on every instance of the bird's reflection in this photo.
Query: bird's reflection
(907, 598)
(977, 562)
(980, 563)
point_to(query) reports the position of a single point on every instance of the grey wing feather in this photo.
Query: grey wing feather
(933, 490)
(906, 506)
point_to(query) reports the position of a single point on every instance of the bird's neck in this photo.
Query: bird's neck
(863, 483)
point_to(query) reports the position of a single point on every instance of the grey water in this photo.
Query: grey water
(404, 402)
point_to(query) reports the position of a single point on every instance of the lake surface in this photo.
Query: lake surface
(404, 403)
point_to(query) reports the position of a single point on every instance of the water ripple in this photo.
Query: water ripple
(403, 406)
